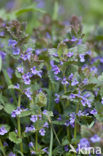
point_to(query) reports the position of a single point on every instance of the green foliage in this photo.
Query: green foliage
(14, 138)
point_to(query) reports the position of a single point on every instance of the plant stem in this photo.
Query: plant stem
(36, 141)
(67, 104)
(55, 133)
(19, 126)
(2, 148)
(75, 128)
(51, 142)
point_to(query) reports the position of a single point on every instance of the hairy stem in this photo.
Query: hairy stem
(51, 142)
(36, 141)
(75, 128)
(2, 148)
(19, 126)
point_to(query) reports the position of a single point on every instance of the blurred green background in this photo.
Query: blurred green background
(91, 11)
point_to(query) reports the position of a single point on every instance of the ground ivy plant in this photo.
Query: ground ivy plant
(51, 90)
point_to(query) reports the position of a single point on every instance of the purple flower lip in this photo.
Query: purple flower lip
(3, 130)
(70, 54)
(34, 118)
(16, 51)
(67, 123)
(12, 43)
(42, 132)
(95, 138)
(29, 128)
(55, 69)
(28, 93)
(3, 55)
(36, 72)
(57, 99)
(64, 81)
(20, 69)
(46, 125)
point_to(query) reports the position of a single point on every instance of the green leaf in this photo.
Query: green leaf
(17, 151)
(81, 48)
(1, 107)
(14, 138)
(65, 141)
(58, 122)
(18, 75)
(28, 9)
(25, 113)
(12, 87)
(56, 9)
(62, 48)
(9, 108)
(41, 99)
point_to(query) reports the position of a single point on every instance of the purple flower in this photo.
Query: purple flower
(26, 79)
(34, 118)
(11, 154)
(32, 152)
(16, 51)
(17, 86)
(52, 63)
(31, 144)
(82, 59)
(20, 69)
(28, 93)
(29, 128)
(5, 144)
(94, 112)
(40, 117)
(95, 138)
(12, 42)
(74, 82)
(45, 150)
(42, 132)
(27, 55)
(3, 130)
(64, 81)
(38, 51)
(55, 69)
(83, 143)
(70, 77)
(2, 54)
(74, 39)
(88, 52)
(70, 54)
(29, 50)
(16, 112)
(10, 72)
(45, 112)
(40, 3)
(72, 96)
(57, 78)
(80, 113)
(36, 72)
(66, 148)
(85, 81)
(66, 40)
(102, 101)
(57, 99)
(46, 125)
(72, 119)
(2, 33)
(79, 42)
(59, 118)
(67, 123)
(93, 69)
